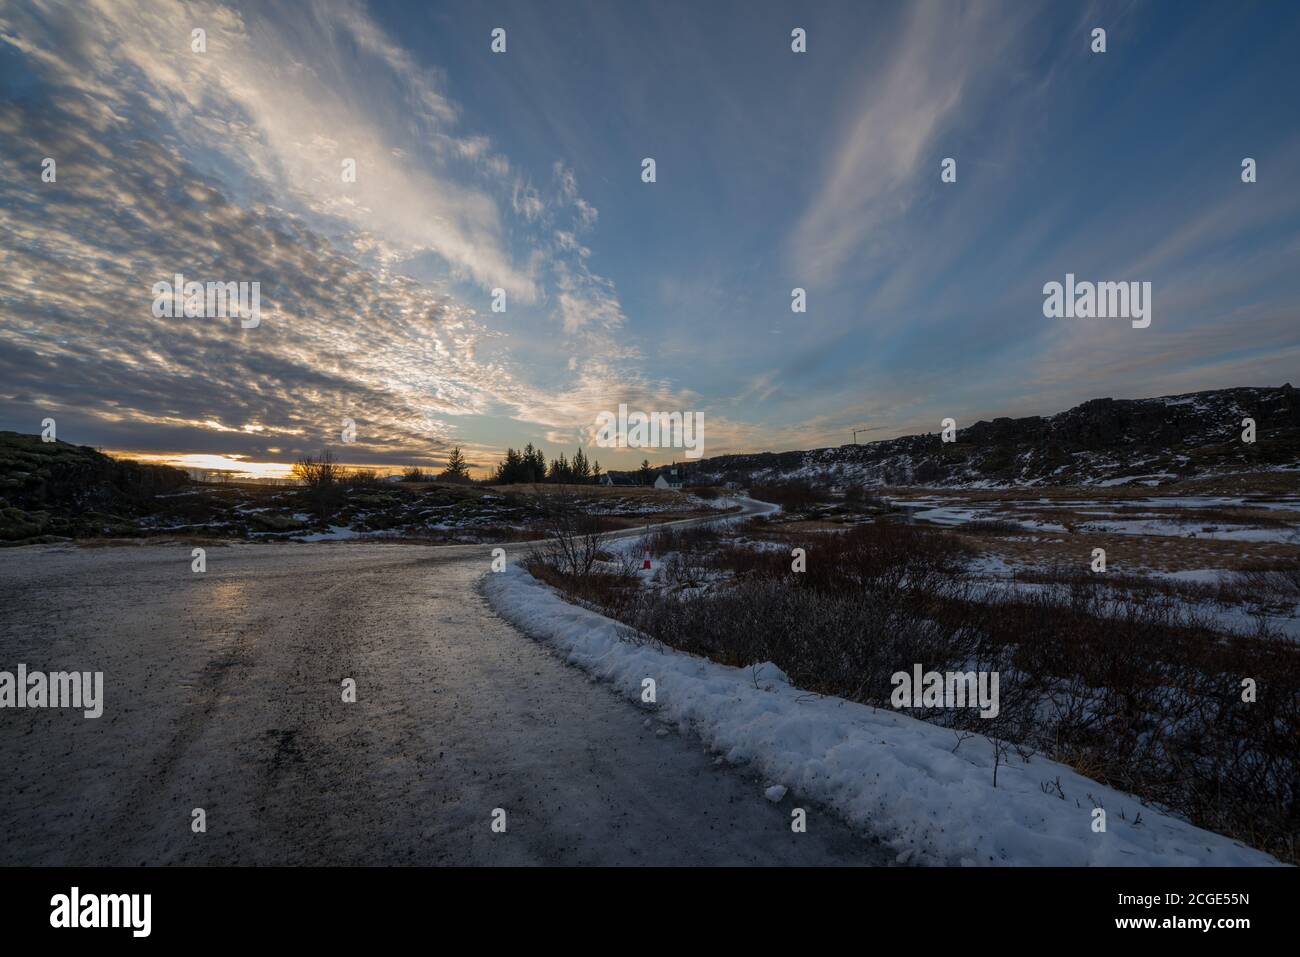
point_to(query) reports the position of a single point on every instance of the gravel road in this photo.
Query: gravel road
(223, 692)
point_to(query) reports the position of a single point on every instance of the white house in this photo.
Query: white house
(671, 479)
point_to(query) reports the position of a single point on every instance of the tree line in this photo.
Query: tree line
(529, 466)
(525, 467)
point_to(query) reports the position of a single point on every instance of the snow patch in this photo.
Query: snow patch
(885, 773)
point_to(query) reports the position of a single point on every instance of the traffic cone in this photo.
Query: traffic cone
(645, 564)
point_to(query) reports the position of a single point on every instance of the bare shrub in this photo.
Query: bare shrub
(322, 477)
(686, 569)
(706, 492)
(315, 472)
(886, 559)
(362, 479)
(793, 495)
(626, 566)
(858, 498)
(755, 562)
(1126, 680)
(1271, 584)
(572, 537)
(664, 539)
(609, 592)
(992, 526)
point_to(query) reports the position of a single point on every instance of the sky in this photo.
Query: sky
(522, 171)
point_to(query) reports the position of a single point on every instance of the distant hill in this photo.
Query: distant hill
(1101, 442)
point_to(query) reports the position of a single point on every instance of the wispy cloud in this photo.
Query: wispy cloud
(228, 164)
(891, 137)
(818, 170)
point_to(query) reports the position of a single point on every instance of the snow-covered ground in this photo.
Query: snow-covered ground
(992, 576)
(898, 778)
(1191, 529)
(336, 533)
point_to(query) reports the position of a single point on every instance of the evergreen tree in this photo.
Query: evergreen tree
(647, 474)
(510, 469)
(533, 468)
(457, 469)
(580, 467)
(529, 466)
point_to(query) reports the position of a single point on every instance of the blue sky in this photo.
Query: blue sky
(522, 171)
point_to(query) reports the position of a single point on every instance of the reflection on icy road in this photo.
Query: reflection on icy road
(222, 692)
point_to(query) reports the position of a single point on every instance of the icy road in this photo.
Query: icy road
(222, 692)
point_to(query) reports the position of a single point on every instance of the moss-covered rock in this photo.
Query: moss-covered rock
(275, 522)
(16, 524)
(37, 474)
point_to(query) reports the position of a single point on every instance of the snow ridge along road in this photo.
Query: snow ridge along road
(223, 692)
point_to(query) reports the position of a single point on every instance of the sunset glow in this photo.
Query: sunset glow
(237, 465)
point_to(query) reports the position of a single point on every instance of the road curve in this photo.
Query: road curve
(223, 692)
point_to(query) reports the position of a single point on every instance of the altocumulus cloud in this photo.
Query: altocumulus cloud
(226, 166)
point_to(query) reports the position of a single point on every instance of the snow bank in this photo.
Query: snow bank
(893, 776)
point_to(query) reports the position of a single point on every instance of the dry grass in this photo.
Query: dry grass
(1134, 552)
(635, 493)
(185, 540)
(1130, 684)
(1245, 483)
